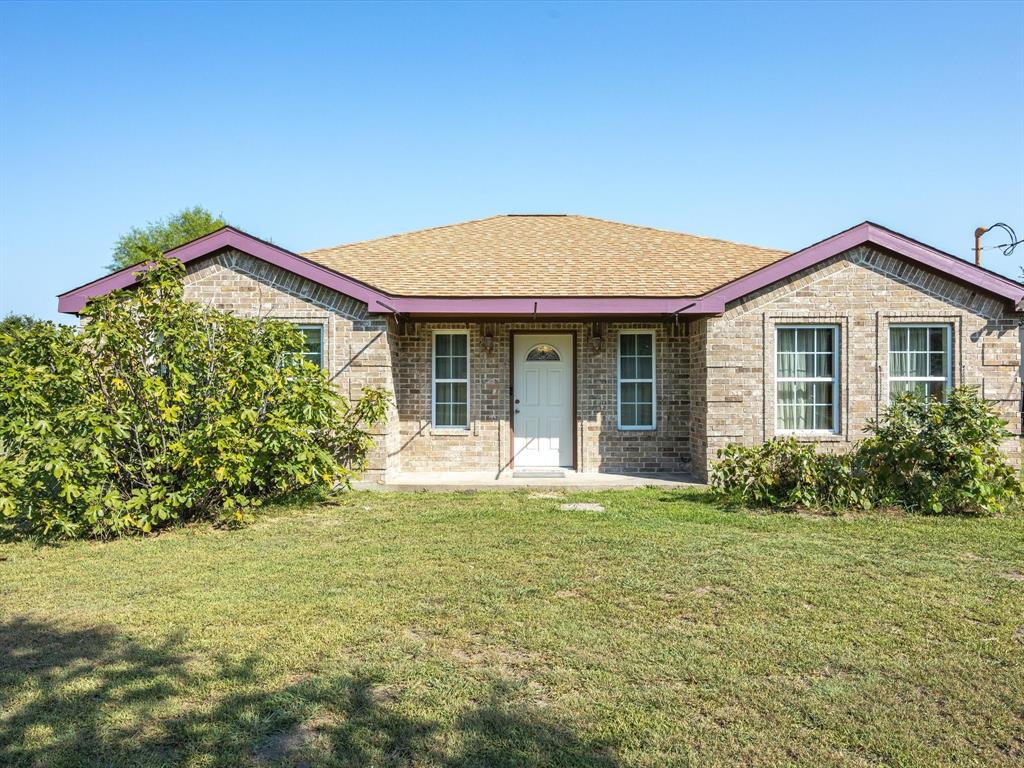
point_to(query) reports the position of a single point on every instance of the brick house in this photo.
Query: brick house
(526, 342)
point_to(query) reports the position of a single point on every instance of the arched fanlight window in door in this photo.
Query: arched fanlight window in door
(542, 353)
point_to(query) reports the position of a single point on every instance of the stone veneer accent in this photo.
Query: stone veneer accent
(863, 292)
(715, 376)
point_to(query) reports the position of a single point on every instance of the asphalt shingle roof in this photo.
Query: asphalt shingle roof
(544, 255)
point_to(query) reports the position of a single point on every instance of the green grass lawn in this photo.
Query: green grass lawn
(495, 629)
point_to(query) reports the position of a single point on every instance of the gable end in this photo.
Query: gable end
(870, 234)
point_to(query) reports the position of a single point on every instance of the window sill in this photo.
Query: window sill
(450, 432)
(811, 436)
(637, 429)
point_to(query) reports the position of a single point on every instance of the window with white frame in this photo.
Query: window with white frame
(312, 344)
(920, 360)
(636, 380)
(807, 378)
(451, 379)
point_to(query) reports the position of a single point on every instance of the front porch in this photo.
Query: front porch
(556, 480)
(600, 401)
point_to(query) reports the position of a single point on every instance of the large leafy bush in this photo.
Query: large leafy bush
(922, 456)
(159, 410)
(786, 474)
(940, 457)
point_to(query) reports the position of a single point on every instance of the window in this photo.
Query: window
(636, 380)
(806, 379)
(313, 346)
(451, 380)
(542, 353)
(920, 360)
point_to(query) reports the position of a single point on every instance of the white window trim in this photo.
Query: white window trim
(653, 380)
(836, 358)
(310, 327)
(947, 379)
(434, 381)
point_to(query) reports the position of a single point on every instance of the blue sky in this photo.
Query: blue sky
(312, 125)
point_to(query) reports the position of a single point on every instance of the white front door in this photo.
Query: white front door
(542, 400)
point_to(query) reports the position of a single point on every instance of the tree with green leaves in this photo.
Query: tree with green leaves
(139, 243)
(159, 410)
(13, 322)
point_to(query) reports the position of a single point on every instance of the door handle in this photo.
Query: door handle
(517, 410)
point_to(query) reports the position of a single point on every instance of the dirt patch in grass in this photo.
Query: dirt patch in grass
(717, 589)
(286, 746)
(581, 506)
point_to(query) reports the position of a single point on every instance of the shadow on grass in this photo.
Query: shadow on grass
(709, 497)
(12, 534)
(93, 697)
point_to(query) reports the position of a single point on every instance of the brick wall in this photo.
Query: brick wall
(863, 292)
(363, 350)
(356, 350)
(601, 446)
(698, 335)
(715, 376)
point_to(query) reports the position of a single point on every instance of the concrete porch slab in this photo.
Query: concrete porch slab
(487, 481)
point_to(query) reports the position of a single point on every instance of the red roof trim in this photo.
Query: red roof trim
(874, 234)
(227, 237)
(711, 303)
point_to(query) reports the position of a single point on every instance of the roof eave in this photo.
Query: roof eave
(379, 302)
(869, 233)
(548, 306)
(74, 301)
(713, 302)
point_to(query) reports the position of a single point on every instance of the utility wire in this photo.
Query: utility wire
(1004, 245)
(1006, 248)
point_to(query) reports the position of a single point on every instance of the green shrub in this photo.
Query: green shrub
(159, 410)
(940, 457)
(786, 474)
(937, 457)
